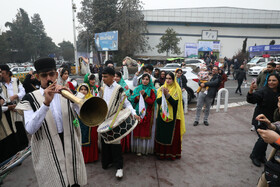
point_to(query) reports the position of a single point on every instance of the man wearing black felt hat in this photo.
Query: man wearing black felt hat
(55, 143)
(12, 134)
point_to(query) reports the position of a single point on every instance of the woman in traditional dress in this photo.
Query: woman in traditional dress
(89, 134)
(142, 141)
(63, 79)
(90, 80)
(125, 142)
(120, 81)
(170, 126)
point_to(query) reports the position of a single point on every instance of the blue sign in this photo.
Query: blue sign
(260, 48)
(106, 41)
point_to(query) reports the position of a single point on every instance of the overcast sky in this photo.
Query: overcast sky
(57, 14)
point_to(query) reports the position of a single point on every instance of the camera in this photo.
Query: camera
(262, 125)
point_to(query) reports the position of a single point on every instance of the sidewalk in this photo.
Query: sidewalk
(217, 155)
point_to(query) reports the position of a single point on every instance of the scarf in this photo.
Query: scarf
(94, 87)
(125, 87)
(176, 93)
(85, 130)
(136, 92)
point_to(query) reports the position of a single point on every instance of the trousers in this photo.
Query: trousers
(202, 100)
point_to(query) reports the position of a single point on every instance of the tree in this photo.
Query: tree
(169, 43)
(131, 26)
(27, 40)
(244, 45)
(67, 50)
(107, 15)
(272, 42)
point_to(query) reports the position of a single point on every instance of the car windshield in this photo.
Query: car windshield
(263, 65)
(254, 60)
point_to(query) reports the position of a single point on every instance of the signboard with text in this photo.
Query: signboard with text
(106, 41)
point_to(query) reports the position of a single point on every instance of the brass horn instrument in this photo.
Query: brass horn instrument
(93, 110)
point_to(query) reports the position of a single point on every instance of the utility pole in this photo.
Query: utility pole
(74, 32)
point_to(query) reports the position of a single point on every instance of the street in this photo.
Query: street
(217, 155)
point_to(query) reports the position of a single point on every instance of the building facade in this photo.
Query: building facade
(227, 26)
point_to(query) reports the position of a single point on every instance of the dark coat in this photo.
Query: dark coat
(266, 101)
(213, 84)
(240, 75)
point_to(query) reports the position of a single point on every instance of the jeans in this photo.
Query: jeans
(201, 100)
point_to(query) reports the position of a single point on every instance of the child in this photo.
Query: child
(203, 78)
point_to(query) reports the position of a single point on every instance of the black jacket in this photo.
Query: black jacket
(241, 75)
(266, 101)
(183, 83)
(213, 84)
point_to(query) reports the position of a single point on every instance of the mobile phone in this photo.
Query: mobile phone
(254, 80)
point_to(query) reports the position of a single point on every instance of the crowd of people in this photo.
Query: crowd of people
(62, 143)
(56, 127)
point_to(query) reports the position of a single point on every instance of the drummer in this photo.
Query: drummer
(112, 153)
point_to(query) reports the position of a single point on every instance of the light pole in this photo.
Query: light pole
(74, 32)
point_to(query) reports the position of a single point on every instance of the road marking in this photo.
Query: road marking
(230, 105)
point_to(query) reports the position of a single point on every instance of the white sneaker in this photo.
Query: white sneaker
(139, 154)
(119, 173)
(253, 128)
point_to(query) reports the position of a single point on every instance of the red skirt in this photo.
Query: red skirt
(172, 151)
(125, 142)
(90, 153)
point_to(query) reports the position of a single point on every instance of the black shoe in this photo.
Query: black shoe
(240, 93)
(263, 160)
(195, 123)
(255, 161)
(206, 123)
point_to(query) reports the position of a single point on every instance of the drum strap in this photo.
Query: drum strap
(117, 113)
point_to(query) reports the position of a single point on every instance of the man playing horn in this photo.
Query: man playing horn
(55, 143)
(112, 153)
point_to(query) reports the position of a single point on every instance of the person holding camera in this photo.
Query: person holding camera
(266, 99)
(270, 134)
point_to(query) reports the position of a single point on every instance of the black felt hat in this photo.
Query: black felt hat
(44, 65)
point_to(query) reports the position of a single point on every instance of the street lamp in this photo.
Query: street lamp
(74, 32)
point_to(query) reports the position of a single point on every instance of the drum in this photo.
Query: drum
(123, 125)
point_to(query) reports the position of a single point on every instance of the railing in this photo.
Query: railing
(219, 99)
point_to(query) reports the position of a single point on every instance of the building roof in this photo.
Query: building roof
(215, 15)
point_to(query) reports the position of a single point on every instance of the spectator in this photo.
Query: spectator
(223, 79)
(207, 99)
(240, 77)
(263, 76)
(266, 99)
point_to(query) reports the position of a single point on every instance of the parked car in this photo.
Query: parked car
(194, 63)
(259, 60)
(16, 70)
(257, 69)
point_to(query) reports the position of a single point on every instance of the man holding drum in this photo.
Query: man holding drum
(112, 153)
(55, 143)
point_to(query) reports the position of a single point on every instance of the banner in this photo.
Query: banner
(106, 41)
(209, 46)
(191, 49)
